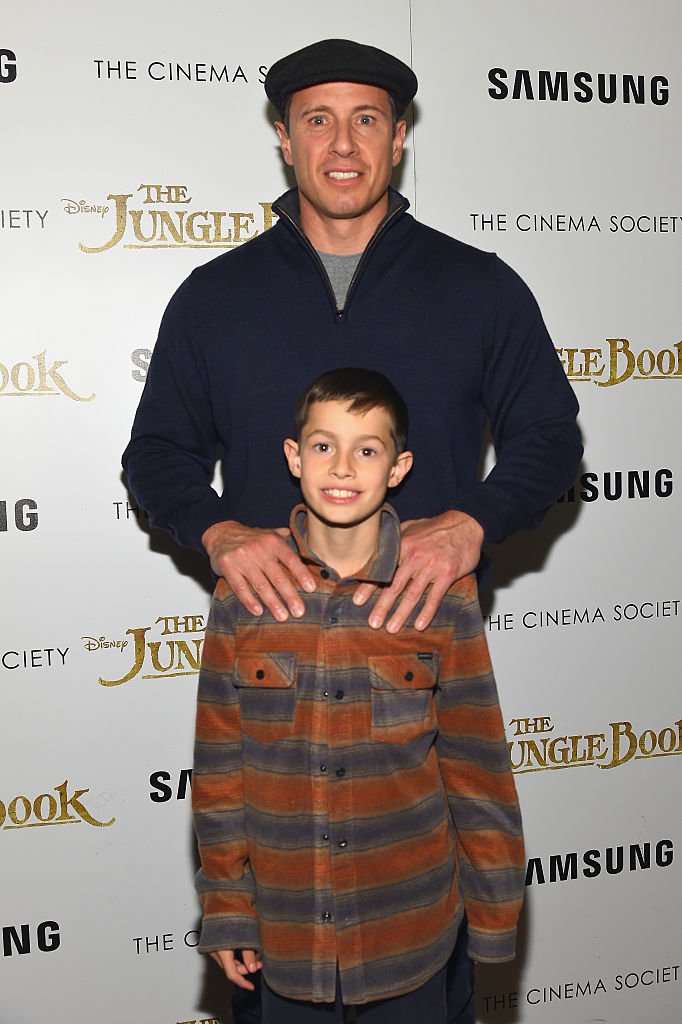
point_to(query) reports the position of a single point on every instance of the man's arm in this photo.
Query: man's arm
(170, 462)
(170, 459)
(532, 413)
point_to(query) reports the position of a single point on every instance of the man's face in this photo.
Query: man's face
(345, 461)
(343, 149)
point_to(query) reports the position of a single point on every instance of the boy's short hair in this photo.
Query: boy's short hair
(363, 389)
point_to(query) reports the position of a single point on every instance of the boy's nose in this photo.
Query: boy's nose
(342, 467)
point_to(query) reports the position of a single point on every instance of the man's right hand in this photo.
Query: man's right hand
(235, 969)
(260, 567)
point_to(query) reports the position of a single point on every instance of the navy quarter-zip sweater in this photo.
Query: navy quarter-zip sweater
(456, 331)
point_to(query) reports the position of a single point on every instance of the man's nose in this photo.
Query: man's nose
(342, 141)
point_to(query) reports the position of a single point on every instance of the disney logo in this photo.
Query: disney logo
(71, 206)
(91, 643)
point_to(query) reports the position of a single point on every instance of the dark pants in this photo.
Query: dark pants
(425, 1003)
(246, 1008)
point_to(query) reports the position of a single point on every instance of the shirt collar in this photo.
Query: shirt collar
(380, 568)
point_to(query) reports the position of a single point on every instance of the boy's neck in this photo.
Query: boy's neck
(346, 549)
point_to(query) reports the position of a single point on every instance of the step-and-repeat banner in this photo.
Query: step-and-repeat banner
(137, 144)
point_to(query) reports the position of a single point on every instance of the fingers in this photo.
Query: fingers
(431, 605)
(434, 553)
(237, 970)
(363, 592)
(260, 567)
(257, 591)
(411, 596)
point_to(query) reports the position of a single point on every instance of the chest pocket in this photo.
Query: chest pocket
(267, 694)
(402, 696)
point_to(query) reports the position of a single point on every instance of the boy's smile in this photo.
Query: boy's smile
(345, 462)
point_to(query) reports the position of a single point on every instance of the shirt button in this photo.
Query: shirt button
(260, 674)
(339, 694)
(409, 676)
(342, 844)
(325, 917)
(340, 772)
(324, 573)
(323, 767)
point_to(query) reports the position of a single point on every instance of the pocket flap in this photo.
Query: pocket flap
(277, 671)
(404, 671)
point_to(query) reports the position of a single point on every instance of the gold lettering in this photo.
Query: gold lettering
(136, 217)
(140, 647)
(618, 346)
(240, 221)
(620, 731)
(204, 229)
(75, 804)
(267, 215)
(121, 214)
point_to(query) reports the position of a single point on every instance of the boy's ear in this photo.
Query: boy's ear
(293, 457)
(401, 467)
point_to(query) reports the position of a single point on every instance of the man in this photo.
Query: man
(347, 277)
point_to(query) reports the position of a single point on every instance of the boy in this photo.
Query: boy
(352, 790)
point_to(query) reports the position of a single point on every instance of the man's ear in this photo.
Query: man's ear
(284, 142)
(401, 467)
(398, 142)
(293, 457)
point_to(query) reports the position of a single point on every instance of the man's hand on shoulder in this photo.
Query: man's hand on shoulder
(236, 970)
(260, 567)
(433, 554)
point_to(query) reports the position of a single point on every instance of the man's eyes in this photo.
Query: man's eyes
(319, 120)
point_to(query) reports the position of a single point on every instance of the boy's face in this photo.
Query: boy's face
(345, 462)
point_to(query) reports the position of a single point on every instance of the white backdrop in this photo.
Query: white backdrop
(102, 621)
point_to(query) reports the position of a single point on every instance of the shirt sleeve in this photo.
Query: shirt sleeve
(476, 770)
(170, 459)
(532, 412)
(224, 881)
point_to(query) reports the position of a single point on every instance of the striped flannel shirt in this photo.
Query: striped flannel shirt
(352, 789)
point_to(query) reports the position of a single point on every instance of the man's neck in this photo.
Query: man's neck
(346, 549)
(341, 236)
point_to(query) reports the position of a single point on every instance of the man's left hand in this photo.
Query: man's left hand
(433, 554)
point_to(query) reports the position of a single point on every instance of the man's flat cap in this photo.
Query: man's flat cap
(340, 60)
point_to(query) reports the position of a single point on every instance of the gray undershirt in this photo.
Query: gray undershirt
(340, 270)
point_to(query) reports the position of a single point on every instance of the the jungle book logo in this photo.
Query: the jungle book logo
(535, 746)
(163, 653)
(66, 808)
(37, 379)
(158, 216)
(619, 360)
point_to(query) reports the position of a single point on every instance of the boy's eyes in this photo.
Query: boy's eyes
(324, 447)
